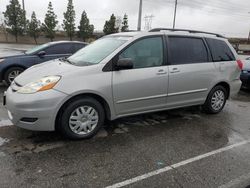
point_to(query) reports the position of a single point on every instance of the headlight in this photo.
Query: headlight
(1, 60)
(43, 84)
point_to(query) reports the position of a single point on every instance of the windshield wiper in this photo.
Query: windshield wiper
(66, 60)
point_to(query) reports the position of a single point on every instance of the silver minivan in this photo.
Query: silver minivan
(125, 74)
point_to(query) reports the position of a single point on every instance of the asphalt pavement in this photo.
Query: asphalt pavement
(177, 148)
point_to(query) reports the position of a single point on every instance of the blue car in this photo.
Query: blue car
(245, 75)
(12, 66)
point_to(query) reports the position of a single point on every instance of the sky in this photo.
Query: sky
(227, 17)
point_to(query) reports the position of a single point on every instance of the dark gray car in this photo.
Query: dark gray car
(12, 66)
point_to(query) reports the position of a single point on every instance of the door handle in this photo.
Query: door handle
(175, 70)
(161, 72)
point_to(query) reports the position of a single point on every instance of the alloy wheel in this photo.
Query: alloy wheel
(218, 100)
(13, 74)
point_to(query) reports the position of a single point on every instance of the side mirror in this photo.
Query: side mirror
(125, 63)
(41, 53)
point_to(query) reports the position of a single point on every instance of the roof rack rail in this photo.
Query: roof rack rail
(186, 30)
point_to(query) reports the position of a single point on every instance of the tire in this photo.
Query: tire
(11, 74)
(78, 115)
(213, 104)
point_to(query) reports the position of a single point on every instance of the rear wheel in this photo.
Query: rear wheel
(216, 100)
(81, 119)
(11, 74)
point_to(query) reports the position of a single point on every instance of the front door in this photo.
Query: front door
(143, 88)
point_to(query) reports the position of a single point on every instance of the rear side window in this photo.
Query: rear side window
(220, 50)
(187, 50)
(78, 47)
(66, 48)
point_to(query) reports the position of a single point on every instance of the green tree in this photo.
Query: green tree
(85, 29)
(50, 23)
(69, 20)
(125, 24)
(110, 26)
(34, 27)
(3, 29)
(15, 18)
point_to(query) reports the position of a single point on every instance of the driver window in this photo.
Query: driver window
(145, 53)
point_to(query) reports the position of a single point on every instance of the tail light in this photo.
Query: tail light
(240, 64)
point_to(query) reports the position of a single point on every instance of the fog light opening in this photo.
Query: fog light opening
(29, 120)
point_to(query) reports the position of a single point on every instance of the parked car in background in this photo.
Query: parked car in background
(125, 74)
(245, 74)
(247, 59)
(12, 66)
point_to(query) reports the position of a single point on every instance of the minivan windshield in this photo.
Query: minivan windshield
(97, 51)
(37, 49)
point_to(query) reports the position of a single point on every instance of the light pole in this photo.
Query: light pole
(139, 16)
(23, 5)
(175, 10)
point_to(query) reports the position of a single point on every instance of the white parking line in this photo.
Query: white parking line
(3, 141)
(174, 166)
(5, 123)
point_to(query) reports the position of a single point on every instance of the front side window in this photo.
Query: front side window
(220, 50)
(37, 49)
(145, 53)
(187, 50)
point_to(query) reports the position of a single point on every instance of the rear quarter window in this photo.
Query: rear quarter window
(220, 50)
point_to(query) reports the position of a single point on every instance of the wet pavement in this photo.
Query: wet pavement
(177, 148)
(10, 49)
(131, 147)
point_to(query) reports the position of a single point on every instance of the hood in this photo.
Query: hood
(13, 55)
(50, 68)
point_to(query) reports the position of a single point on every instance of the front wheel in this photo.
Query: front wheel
(11, 74)
(216, 100)
(81, 119)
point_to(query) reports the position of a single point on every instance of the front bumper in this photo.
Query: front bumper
(245, 78)
(35, 112)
